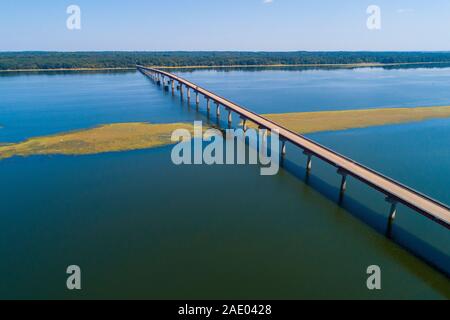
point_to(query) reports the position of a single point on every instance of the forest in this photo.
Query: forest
(122, 59)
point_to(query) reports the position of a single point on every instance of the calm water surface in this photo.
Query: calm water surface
(141, 227)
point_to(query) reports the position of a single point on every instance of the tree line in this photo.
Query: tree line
(58, 60)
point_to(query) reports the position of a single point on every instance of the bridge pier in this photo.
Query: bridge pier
(230, 119)
(392, 214)
(181, 89)
(218, 110)
(264, 130)
(308, 162)
(283, 149)
(188, 93)
(197, 98)
(208, 106)
(244, 124)
(172, 83)
(343, 187)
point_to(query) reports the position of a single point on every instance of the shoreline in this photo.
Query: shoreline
(336, 65)
(65, 69)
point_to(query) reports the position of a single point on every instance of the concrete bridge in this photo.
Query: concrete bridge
(395, 191)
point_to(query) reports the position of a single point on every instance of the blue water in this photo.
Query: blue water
(319, 90)
(417, 154)
(141, 227)
(33, 105)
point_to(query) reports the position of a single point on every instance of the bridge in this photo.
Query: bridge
(394, 191)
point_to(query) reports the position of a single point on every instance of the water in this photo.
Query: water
(319, 90)
(141, 227)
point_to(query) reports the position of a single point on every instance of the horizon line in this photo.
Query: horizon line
(234, 51)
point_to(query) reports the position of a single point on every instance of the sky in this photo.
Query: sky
(235, 25)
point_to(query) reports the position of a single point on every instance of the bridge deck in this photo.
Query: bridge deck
(421, 203)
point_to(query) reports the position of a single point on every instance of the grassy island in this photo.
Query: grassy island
(308, 122)
(140, 135)
(104, 138)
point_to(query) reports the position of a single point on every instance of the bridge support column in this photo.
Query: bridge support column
(283, 149)
(181, 90)
(208, 106)
(392, 214)
(343, 187)
(244, 124)
(230, 118)
(308, 162)
(172, 83)
(264, 130)
(188, 93)
(197, 98)
(218, 110)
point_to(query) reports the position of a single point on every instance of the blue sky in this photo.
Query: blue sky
(279, 25)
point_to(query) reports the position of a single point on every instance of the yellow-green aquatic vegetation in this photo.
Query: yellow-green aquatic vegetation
(140, 135)
(307, 122)
(105, 138)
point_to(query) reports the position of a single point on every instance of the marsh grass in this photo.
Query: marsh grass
(142, 135)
